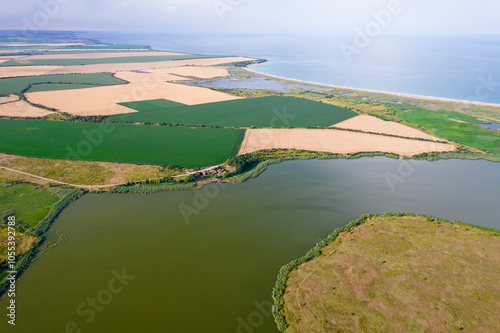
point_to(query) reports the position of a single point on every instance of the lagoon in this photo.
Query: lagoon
(213, 270)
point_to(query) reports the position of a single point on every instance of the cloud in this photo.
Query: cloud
(254, 16)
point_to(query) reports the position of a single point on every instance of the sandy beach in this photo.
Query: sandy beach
(421, 97)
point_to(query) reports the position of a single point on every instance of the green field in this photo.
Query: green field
(122, 143)
(453, 126)
(29, 202)
(272, 111)
(73, 47)
(117, 60)
(151, 105)
(104, 47)
(16, 85)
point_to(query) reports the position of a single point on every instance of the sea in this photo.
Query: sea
(465, 67)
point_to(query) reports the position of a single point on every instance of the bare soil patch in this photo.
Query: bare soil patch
(335, 141)
(375, 125)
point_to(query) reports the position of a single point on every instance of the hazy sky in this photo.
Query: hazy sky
(252, 16)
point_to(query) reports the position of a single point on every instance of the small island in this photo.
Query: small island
(394, 273)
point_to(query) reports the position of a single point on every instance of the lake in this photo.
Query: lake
(148, 268)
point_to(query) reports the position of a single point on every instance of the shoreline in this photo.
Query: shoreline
(419, 97)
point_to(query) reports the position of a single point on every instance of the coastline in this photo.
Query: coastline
(420, 97)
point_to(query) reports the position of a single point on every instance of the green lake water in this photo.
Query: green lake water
(214, 271)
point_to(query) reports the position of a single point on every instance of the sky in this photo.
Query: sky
(255, 16)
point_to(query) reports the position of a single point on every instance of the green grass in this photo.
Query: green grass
(454, 126)
(271, 111)
(122, 143)
(153, 104)
(16, 85)
(411, 265)
(30, 202)
(117, 60)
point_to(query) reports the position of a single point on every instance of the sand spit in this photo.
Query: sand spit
(335, 141)
(420, 97)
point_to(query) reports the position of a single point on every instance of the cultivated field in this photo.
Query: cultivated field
(11, 71)
(22, 109)
(271, 111)
(103, 100)
(99, 55)
(121, 143)
(8, 99)
(26, 70)
(335, 141)
(74, 61)
(376, 125)
(150, 105)
(172, 74)
(399, 274)
(17, 85)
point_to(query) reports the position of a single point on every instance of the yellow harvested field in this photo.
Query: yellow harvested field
(100, 55)
(172, 74)
(376, 125)
(8, 99)
(335, 141)
(21, 109)
(93, 50)
(13, 71)
(102, 100)
(113, 68)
